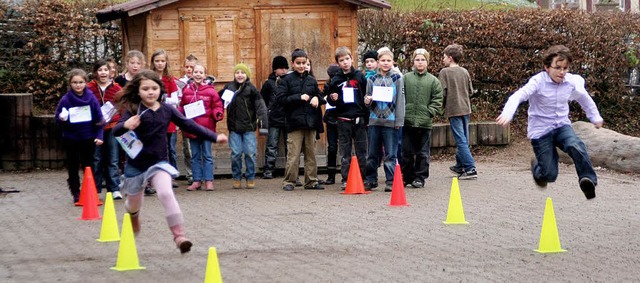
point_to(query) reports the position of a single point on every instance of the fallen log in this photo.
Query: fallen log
(607, 148)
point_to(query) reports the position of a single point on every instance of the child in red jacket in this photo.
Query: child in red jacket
(106, 157)
(201, 102)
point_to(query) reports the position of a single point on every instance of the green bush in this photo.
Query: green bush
(42, 40)
(503, 49)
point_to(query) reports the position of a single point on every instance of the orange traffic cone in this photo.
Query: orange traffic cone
(88, 182)
(90, 206)
(398, 197)
(354, 180)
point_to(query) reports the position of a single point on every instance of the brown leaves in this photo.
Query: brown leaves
(504, 48)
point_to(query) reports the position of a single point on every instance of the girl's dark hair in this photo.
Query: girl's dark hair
(560, 51)
(76, 72)
(298, 53)
(129, 96)
(97, 65)
(310, 67)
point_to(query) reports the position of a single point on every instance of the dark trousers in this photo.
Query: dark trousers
(351, 135)
(332, 149)
(79, 155)
(416, 153)
(271, 149)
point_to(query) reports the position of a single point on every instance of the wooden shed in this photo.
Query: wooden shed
(222, 33)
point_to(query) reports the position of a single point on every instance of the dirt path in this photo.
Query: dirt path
(268, 235)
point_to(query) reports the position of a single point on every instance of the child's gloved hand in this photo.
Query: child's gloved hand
(64, 115)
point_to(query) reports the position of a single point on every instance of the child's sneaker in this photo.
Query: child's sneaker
(588, 187)
(149, 191)
(388, 187)
(471, 174)
(456, 170)
(117, 195)
(298, 183)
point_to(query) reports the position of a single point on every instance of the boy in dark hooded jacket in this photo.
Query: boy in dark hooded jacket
(277, 116)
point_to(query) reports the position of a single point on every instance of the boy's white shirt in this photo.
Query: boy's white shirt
(549, 102)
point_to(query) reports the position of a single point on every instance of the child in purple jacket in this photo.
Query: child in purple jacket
(81, 119)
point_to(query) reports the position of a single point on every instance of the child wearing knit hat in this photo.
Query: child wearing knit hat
(370, 60)
(246, 112)
(277, 116)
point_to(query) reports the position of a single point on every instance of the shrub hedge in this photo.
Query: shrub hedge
(503, 49)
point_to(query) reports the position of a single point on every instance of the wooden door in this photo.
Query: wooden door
(312, 29)
(210, 35)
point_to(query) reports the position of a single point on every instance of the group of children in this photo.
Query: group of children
(141, 108)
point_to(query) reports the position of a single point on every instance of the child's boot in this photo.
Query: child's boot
(179, 238)
(331, 176)
(194, 186)
(135, 222)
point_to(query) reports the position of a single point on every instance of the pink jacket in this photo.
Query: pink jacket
(212, 105)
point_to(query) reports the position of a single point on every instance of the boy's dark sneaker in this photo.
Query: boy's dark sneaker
(267, 175)
(540, 183)
(149, 191)
(588, 187)
(370, 186)
(471, 174)
(343, 186)
(315, 187)
(330, 181)
(388, 187)
(457, 170)
(417, 184)
(288, 187)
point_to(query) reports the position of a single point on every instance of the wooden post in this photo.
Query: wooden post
(16, 152)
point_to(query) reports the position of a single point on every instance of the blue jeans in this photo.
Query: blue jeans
(379, 136)
(171, 147)
(201, 160)
(105, 163)
(566, 140)
(243, 143)
(460, 130)
(271, 151)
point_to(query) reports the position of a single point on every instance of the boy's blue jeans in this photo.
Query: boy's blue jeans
(243, 143)
(172, 138)
(566, 140)
(105, 163)
(201, 160)
(379, 136)
(460, 130)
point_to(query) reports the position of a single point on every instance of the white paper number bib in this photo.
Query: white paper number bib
(194, 109)
(130, 143)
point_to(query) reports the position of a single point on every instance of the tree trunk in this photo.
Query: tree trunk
(607, 148)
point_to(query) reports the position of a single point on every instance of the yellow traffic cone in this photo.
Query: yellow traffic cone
(549, 239)
(127, 253)
(109, 231)
(212, 274)
(455, 214)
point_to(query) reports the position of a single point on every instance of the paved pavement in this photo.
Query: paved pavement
(268, 235)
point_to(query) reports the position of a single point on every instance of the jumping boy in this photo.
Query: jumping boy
(347, 93)
(385, 99)
(457, 87)
(549, 93)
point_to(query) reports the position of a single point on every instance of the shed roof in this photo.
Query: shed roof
(134, 7)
